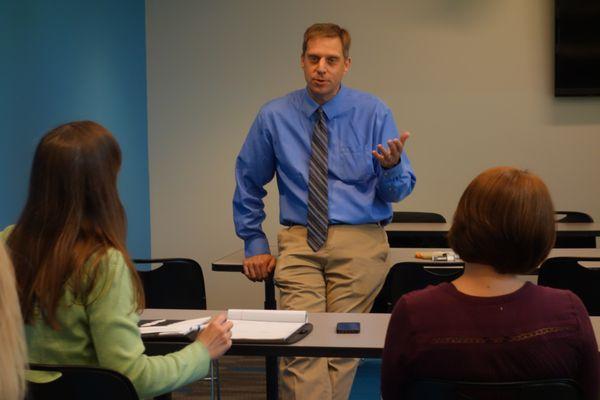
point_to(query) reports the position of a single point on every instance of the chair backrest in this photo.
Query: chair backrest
(574, 242)
(568, 273)
(408, 276)
(421, 241)
(81, 382)
(573, 216)
(177, 283)
(555, 389)
(417, 216)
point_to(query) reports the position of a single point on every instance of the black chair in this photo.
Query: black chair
(567, 273)
(408, 276)
(81, 382)
(425, 240)
(573, 216)
(574, 242)
(177, 283)
(417, 216)
(555, 389)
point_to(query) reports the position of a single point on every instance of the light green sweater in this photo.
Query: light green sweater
(105, 333)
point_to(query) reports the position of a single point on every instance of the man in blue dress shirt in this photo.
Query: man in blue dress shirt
(340, 163)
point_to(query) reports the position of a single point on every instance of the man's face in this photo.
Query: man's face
(324, 67)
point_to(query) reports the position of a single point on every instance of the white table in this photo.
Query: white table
(323, 341)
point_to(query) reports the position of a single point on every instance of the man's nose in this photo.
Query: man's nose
(321, 66)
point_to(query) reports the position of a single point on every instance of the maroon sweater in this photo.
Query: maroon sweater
(534, 333)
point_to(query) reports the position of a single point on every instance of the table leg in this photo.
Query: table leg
(271, 361)
(270, 302)
(272, 373)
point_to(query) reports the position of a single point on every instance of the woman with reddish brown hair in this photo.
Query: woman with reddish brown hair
(78, 289)
(488, 325)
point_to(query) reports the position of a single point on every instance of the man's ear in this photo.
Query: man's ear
(347, 63)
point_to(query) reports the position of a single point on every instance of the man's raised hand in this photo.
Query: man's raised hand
(390, 157)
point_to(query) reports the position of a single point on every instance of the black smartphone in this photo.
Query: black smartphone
(348, 327)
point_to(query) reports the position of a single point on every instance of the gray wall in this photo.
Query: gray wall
(471, 79)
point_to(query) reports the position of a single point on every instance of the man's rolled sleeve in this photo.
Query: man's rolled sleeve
(255, 167)
(397, 182)
(256, 245)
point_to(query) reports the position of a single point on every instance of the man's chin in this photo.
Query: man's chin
(319, 91)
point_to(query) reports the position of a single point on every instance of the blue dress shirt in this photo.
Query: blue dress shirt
(360, 190)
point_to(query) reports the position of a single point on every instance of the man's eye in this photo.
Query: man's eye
(314, 59)
(332, 60)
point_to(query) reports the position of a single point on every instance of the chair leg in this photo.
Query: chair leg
(215, 383)
(213, 377)
(212, 380)
(217, 378)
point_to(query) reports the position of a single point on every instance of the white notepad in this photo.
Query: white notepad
(265, 324)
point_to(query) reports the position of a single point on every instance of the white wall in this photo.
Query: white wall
(471, 79)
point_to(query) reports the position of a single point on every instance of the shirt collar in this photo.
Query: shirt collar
(332, 108)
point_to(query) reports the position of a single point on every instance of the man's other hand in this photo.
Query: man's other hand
(257, 268)
(390, 157)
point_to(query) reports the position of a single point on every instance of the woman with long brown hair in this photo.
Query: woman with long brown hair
(79, 291)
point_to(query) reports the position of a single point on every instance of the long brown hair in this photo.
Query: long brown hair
(72, 217)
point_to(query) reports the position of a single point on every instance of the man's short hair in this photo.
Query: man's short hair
(327, 30)
(505, 218)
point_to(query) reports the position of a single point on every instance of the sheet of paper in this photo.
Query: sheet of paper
(263, 330)
(268, 315)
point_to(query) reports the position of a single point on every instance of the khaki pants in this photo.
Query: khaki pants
(345, 275)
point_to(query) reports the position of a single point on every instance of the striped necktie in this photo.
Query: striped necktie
(317, 220)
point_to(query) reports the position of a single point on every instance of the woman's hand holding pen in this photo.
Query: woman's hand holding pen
(216, 336)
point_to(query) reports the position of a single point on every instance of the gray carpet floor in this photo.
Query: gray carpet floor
(242, 378)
